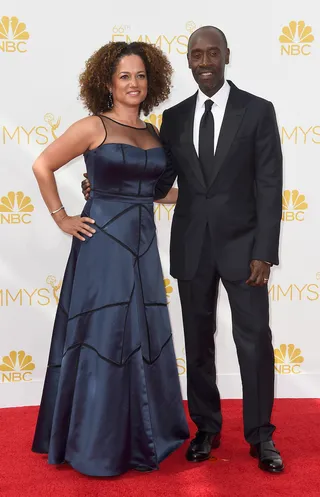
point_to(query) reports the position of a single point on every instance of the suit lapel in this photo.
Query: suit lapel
(186, 137)
(233, 116)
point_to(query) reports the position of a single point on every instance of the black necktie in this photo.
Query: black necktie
(206, 141)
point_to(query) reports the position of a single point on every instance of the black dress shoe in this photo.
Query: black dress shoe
(269, 457)
(143, 469)
(200, 447)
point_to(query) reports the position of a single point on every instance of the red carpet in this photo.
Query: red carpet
(232, 474)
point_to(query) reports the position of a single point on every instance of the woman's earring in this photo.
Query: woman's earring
(110, 100)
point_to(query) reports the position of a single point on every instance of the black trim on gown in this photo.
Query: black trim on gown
(111, 399)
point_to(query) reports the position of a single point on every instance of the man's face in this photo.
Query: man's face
(207, 58)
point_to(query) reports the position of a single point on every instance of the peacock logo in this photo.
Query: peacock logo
(287, 359)
(155, 119)
(293, 205)
(168, 289)
(296, 39)
(13, 35)
(15, 208)
(16, 367)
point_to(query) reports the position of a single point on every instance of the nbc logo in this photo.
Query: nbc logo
(16, 367)
(293, 206)
(13, 35)
(168, 288)
(288, 359)
(155, 119)
(15, 208)
(296, 38)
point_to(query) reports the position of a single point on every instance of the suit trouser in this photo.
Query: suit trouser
(252, 336)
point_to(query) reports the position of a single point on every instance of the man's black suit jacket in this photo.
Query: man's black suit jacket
(242, 205)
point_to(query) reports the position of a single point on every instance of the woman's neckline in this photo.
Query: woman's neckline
(122, 124)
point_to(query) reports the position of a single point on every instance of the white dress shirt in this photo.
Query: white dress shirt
(220, 100)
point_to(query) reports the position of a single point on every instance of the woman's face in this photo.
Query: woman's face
(129, 81)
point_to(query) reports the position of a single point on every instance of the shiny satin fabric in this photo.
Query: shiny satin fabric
(111, 399)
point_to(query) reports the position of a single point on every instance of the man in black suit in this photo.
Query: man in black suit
(223, 146)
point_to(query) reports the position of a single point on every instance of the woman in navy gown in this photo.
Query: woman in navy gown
(111, 399)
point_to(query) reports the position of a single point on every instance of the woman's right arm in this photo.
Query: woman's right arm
(74, 142)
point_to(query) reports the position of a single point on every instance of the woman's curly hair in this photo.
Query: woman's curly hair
(100, 67)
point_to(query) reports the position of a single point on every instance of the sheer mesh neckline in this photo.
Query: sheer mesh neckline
(122, 124)
(124, 134)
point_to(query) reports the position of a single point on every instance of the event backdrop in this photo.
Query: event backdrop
(275, 53)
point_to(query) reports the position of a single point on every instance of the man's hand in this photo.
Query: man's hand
(85, 185)
(260, 272)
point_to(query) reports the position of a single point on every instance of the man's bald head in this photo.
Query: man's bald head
(206, 29)
(208, 54)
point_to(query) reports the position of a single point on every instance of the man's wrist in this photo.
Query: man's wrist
(265, 262)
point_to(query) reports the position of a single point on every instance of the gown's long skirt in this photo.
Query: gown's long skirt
(111, 399)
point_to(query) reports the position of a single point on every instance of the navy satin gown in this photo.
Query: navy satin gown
(111, 399)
